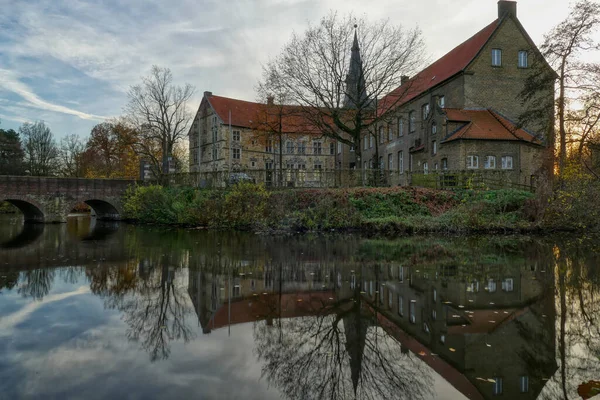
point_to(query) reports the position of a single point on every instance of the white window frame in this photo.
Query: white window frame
(524, 383)
(505, 162)
(401, 161)
(391, 161)
(412, 121)
(400, 306)
(445, 164)
(412, 311)
(289, 147)
(400, 126)
(442, 101)
(472, 162)
(496, 57)
(433, 128)
(489, 162)
(236, 135)
(434, 147)
(425, 168)
(239, 154)
(491, 285)
(370, 141)
(523, 59)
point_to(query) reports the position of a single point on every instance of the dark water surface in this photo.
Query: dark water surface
(92, 310)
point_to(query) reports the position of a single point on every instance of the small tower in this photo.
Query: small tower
(356, 92)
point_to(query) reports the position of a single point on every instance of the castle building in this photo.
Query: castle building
(461, 112)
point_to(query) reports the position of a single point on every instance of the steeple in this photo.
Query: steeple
(356, 92)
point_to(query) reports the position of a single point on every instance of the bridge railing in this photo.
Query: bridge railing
(10, 184)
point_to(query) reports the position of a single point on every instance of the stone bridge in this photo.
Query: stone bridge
(47, 200)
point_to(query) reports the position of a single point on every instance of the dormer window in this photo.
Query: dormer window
(523, 62)
(496, 58)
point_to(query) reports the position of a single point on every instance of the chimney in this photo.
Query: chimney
(270, 100)
(404, 79)
(207, 94)
(507, 7)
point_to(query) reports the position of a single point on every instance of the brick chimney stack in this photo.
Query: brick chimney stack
(270, 100)
(507, 7)
(207, 94)
(404, 79)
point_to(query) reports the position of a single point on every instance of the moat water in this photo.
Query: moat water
(95, 310)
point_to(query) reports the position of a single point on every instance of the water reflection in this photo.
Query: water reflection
(340, 317)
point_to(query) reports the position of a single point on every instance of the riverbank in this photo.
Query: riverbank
(369, 210)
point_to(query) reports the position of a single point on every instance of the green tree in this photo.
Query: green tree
(11, 153)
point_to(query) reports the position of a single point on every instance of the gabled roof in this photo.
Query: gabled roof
(449, 65)
(261, 116)
(485, 125)
(243, 113)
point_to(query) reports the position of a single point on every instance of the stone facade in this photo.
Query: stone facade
(215, 146)
(420, 146)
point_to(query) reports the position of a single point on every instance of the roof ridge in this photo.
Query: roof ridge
(504, 122)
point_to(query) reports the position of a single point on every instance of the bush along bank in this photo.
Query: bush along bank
(252, 207)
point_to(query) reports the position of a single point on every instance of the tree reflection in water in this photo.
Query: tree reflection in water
(152, 298)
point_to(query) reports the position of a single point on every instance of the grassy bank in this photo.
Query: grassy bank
(389, 210)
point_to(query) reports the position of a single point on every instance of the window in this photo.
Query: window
(331, 148)
(496, 57)
(381, 165)
(365, 143)
(523, 59)
(236, 154)
(442, 101)
(351, 148)
(401, 273)
(289, 147)
(442, 338)
(390, 133)
(434, 147)
(269, 146)
(411, 122)
(424, 112)
(400, 127)
(318, 166)
(370, 288)
(445, 164)
(390, 161)
(524, 384)
(381, 137)
(370, 141)
(489, 162)
(236, 136)
(215, 153)
(411, 312)
(433, 314)
(507, 162)
(302, 148)
(434, 295)
(507, 285)
(472, 162)
(425, 168)
(339, 147)
(381, 294)
(215, 135)
(317, 148)
(400, 161)
(268, 164)
(433, 128)
(390, 299)
(497, 386)
(364, 165)
(491, 285)
(401, 306)
(253, 163)
(473, 287)
(436, 166)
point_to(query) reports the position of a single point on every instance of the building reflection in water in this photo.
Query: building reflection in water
(326, 329)
(348, 317)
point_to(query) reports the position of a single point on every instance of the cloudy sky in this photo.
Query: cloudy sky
(70, 62)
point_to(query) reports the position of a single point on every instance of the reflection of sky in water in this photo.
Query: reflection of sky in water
(68, 345)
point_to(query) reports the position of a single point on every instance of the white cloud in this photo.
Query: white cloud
(9, 81)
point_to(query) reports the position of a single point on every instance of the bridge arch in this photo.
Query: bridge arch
(105, 209)
(31, 209)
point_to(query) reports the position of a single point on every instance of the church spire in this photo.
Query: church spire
(356, 92)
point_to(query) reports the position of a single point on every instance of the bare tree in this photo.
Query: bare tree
(41, 152)
(562, 49)
(336, 91)
(158, 111)
(70, 155)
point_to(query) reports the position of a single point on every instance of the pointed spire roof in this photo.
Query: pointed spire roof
(356, 92)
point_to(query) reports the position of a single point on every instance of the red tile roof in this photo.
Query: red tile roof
(486, 125)
(449, 65)
(243, 113)
(260, 116)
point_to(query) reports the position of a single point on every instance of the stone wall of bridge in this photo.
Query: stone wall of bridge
(49, 200)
